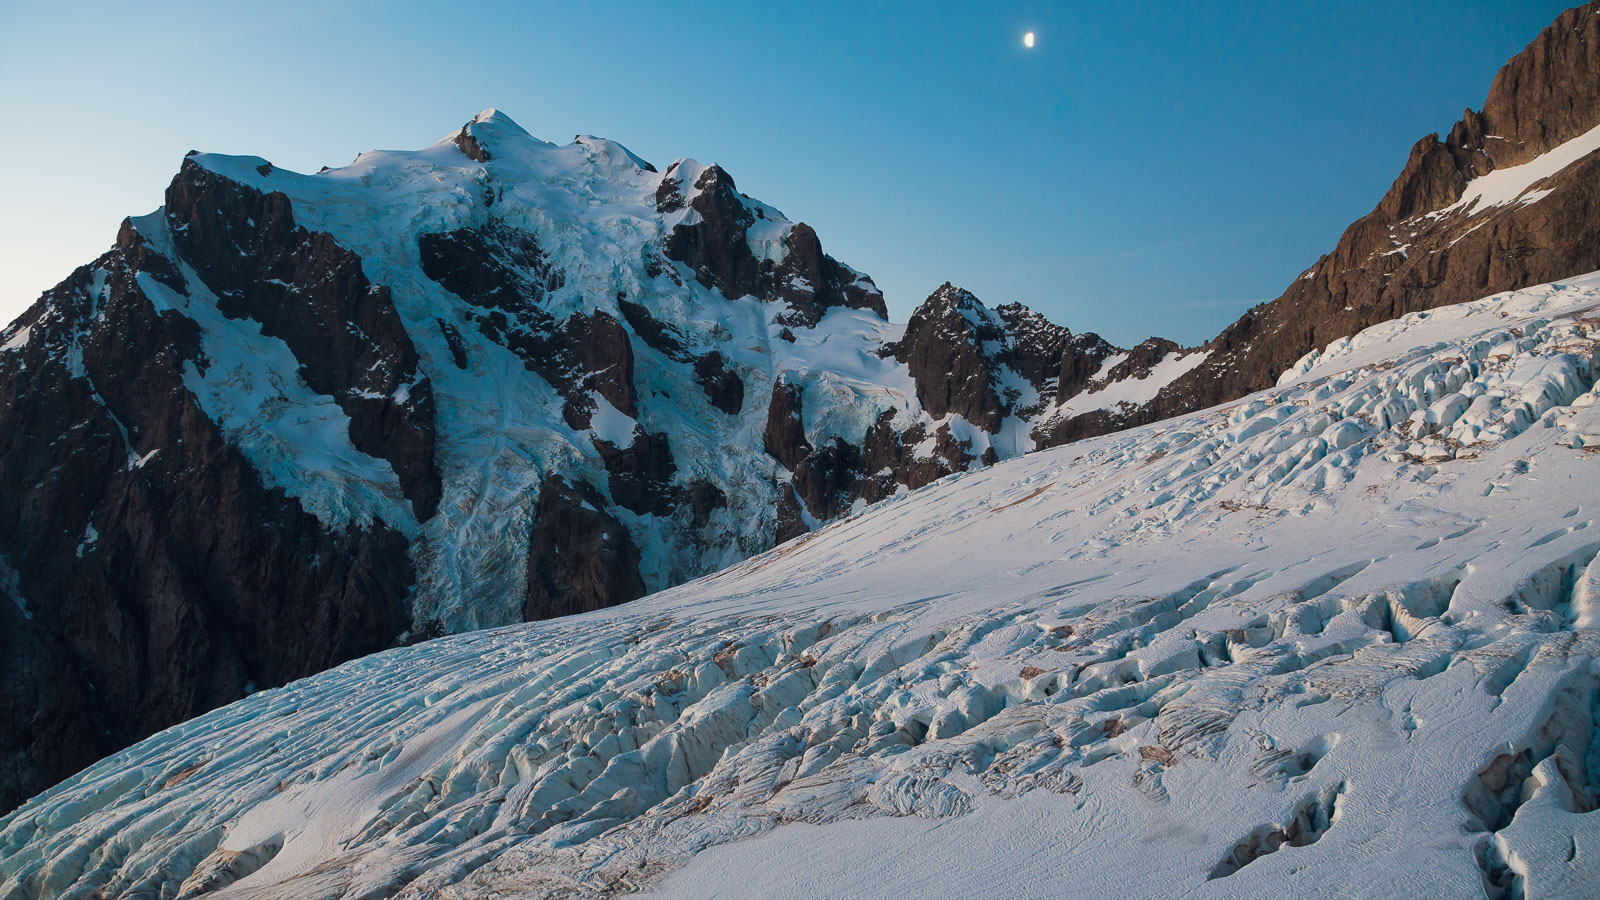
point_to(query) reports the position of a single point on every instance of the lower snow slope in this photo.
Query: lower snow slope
(1339, 634)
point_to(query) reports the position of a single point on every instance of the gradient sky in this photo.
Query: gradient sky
(1146, 168)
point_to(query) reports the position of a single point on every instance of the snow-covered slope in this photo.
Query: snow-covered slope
(1338, 636)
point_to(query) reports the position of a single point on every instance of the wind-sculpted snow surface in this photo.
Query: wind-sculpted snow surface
(1338, 637)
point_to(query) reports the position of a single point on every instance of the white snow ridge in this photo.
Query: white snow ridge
(1337, 638)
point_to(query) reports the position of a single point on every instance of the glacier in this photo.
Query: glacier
(1335, 637)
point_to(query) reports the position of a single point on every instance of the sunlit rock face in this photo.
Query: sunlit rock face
(1508, 199)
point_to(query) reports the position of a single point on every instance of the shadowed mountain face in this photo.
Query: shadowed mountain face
(290, 420)
(152, 574)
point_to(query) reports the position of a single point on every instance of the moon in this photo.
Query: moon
(1027, 40)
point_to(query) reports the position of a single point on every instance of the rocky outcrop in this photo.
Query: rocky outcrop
(1034, 346)
(785, 436)
(151, 574)
(986, 365)
(580, 557)
(1141, 358)
(469, 145)
(597, 358)
(723, 387)
(895, 459)
(811, 282)
(641, 473)
(822, 481)
(1547, 94)
(721, 383)
(497, 267)
(714, 244)
(943, 349)
(655, 334)
(980, 375)
(307, 290)
(502, 271)
(826, 481)
(1081, 359)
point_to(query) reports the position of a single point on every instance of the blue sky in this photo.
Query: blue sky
(1146, 168)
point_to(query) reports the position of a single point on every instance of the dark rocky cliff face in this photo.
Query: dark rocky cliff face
(1546, 95)
(974, 370)
(501, 271)
(955, 348)
(943, 348)
(580, 558)
(152, 576)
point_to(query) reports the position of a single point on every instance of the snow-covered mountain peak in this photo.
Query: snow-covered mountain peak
(480, 138)
(687, 179)
(494, 124)
(518, 379)
(493, 137)
(632, 327)
(491, 114)
(949, 294)
(612, 152)
(966, 304)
